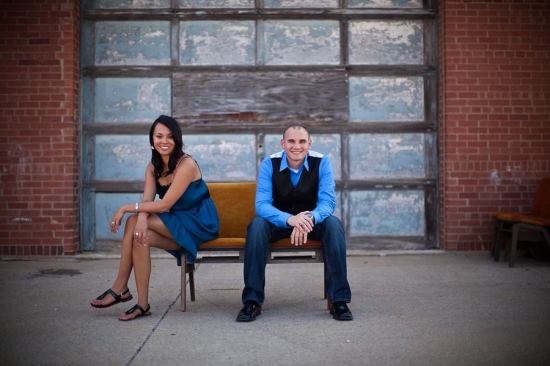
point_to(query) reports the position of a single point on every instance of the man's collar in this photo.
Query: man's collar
(284, 162)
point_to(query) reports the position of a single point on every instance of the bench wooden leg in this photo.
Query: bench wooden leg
(515, 236)
(191, 270)
(495, 250)
(187, 268)
(183, 282)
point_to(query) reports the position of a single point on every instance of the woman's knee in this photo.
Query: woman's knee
(139, 249)
(131, 222)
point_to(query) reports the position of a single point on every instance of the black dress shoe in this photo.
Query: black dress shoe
(249, 312)
(340, 311)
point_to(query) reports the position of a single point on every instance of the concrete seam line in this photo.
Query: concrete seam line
(156, 325)
(152, 331)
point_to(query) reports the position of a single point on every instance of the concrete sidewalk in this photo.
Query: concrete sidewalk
(423, 308)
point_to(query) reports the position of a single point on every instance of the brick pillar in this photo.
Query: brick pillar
(494, 111)
(39, 142)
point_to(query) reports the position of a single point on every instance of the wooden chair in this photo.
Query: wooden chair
(534, 227)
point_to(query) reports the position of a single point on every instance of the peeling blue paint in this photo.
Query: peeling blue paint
(217, 43)
(131, 99)
(386, 98)
(384, 3)
(121, 156)
(391, 213)
(132, 4)
(106, 205)
(300, 42)
(221, 157)
(224, 158)
(132, 43)
(301, 4)
(386, 42)
(197, 4)
(387, 156)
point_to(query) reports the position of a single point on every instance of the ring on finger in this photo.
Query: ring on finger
(301, 223)
(137, 234)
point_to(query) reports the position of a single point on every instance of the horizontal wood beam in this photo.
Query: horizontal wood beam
(221, 125)
(168, 71)
(136, 186)
(253, 14)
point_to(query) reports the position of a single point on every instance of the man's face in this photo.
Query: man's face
(296, 144)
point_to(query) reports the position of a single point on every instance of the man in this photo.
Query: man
(295, 197)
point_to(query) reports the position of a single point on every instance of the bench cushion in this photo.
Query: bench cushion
(236, 207)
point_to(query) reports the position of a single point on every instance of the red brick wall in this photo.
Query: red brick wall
(39, 144)
(494, 91)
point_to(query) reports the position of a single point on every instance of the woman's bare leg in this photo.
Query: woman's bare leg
(125, 266)
(158, 237)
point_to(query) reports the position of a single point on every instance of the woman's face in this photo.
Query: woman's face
(163, 141)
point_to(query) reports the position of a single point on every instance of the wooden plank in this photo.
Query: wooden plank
(388, 184)
(219, 124)
(112, 186)
(230, 14)
(260, 97)
(136, 186)
(167, 71)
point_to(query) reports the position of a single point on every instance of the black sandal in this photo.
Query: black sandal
(118, 298)
(134, 308)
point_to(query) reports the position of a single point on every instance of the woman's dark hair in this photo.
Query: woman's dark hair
(156, 159)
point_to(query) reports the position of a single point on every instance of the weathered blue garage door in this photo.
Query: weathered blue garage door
(360, 73)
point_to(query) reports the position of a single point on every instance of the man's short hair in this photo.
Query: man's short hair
(297, 127)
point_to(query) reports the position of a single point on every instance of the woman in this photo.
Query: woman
(182, 219)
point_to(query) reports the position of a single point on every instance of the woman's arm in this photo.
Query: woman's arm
(186, 172)
(149, 193)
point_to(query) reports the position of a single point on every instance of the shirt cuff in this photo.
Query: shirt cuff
(284, 217)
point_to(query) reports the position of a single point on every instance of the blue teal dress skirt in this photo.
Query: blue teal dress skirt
(192, 221)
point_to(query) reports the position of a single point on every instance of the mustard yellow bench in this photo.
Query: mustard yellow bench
(235, 203)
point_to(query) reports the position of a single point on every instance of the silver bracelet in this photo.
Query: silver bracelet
(137, 206)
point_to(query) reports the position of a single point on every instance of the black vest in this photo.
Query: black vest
(303, 197)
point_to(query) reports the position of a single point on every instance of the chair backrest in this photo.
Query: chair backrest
(236, 207)
(541, 202)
